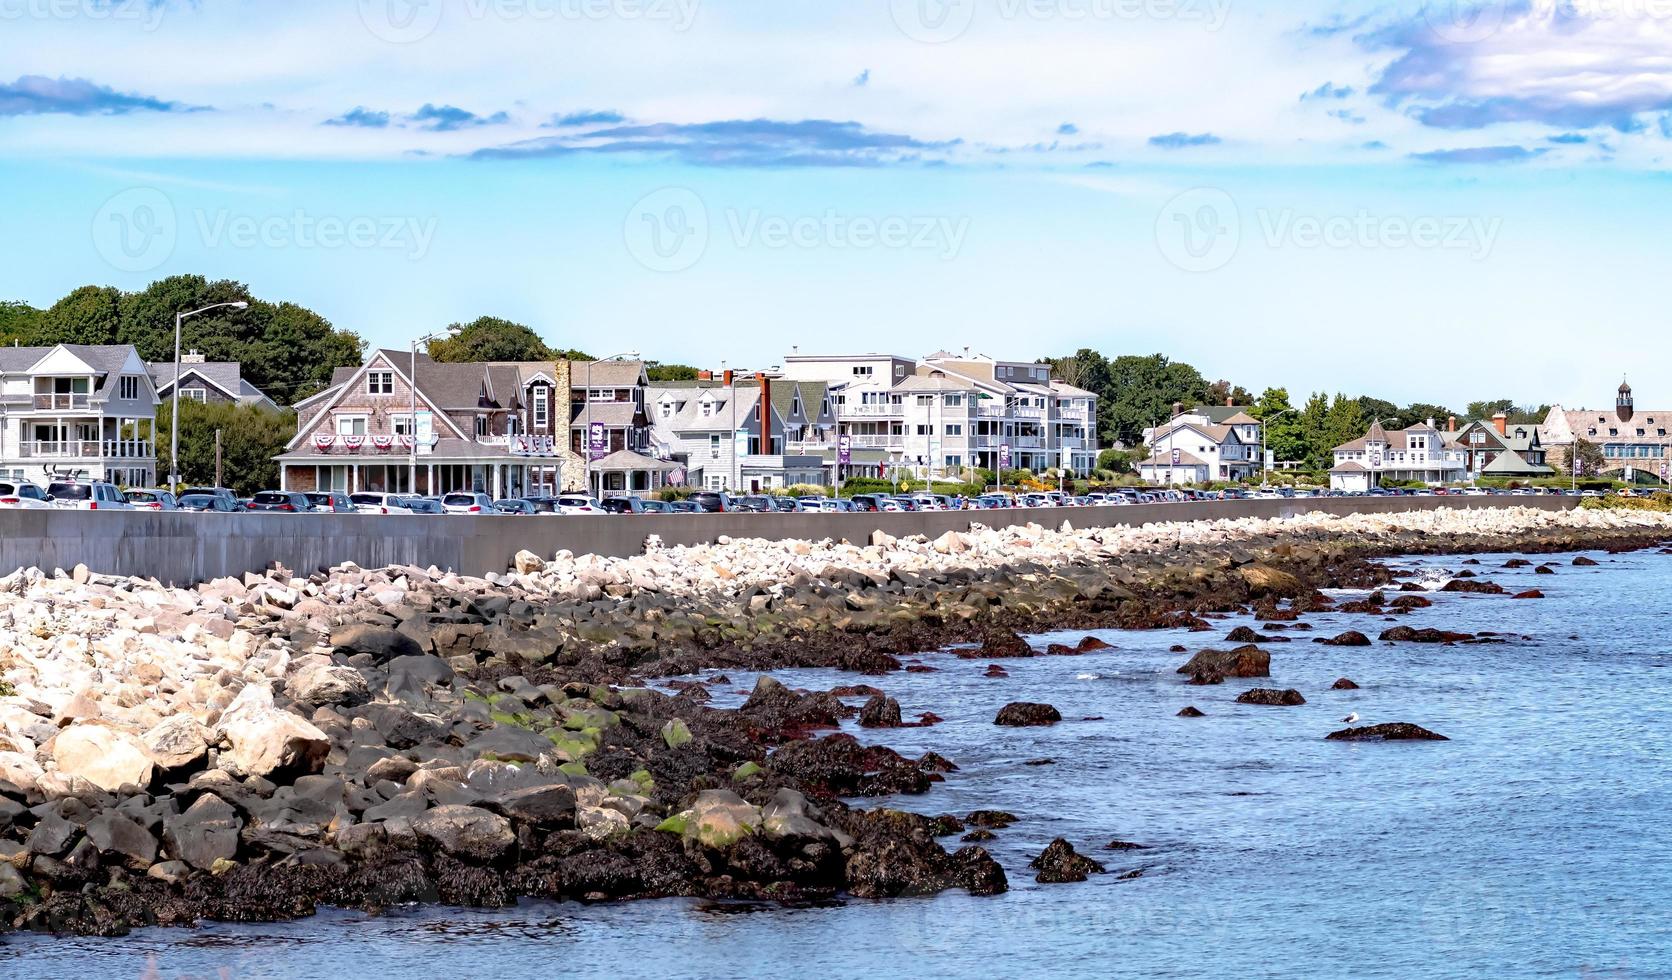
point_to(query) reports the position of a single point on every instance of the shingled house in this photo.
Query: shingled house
(500, 428)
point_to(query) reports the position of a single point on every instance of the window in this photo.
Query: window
(128, 388)
(954, 430)
(380, 382)
(925, 399)
(401, 425)
(714, 446)
(195, 394)
(923, 430)
(795, 405)
(954, 401)
(708, 409)
(351, 425)
(667, 410)
(863, 371)
(954, 462)
(542, 408)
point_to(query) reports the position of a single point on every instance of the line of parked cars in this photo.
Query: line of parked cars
(97, 495)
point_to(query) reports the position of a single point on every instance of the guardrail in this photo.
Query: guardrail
(185, 548)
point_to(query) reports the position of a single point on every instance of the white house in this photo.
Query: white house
(1419, 453)
(1193, 448)
(77, 410)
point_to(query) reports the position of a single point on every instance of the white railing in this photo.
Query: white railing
(877, 442)
(86, 449)
(54, 402)
(872, 411)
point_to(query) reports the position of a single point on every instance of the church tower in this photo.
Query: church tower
(1623, 404)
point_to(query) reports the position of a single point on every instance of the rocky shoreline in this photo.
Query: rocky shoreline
(248, 750)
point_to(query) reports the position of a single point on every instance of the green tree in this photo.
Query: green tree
(1141, 392)
(295, 352)
(1590, 457)
(147, 319)
(1421, 412)
(657, 371)
(88, 315)
(1225, 393)
(250, 438)
(1344, 423)
(1286, 432)
(19, 323)
(1313, 420)
(490, 338)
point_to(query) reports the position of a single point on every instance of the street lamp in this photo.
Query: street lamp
(174, 410)
(412, 406)
(586, 441)
(1265, 469)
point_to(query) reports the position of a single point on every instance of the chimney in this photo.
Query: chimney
(1451, 424)
(1178, 409)
(727, 378)
(1229, 401)
(705, 375)
(766, 414)
(192, 357)
(1501, 423)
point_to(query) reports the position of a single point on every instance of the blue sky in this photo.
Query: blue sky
(1433, 202)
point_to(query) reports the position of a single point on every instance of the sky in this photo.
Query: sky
(1437, 202)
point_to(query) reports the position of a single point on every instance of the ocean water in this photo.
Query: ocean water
(1533, 844)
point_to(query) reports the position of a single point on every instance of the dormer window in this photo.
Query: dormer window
(667, 410)
(380, 382)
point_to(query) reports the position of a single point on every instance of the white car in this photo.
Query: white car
(377, 503)
(577, 503)
(22, 496)
(87, 496)
(467, 503)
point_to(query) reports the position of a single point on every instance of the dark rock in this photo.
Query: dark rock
(880, 712)
(1517, 563)
(541, 806)
(1124, 845)
(979, 835)
(380, 643)
(1408, 602)
(1583, 562)
(994, 670)
(1027, 714)
(114, 834)
(1406, 634)
(1480, 586)
(1351, 638)
(1205, 678)
(1529, 594)
(1544, 570)
(466, 832)
(1244, 661)
(207, 832)
(1397, 731)
(1059, 863)
(990, 819)
(837, 765)
(1343, 684)
(1272, 697)
(1191, 711)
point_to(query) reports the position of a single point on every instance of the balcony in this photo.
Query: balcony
(60, 402)
(989, 410)
(873, 411)
(878, 442)
(87, 449)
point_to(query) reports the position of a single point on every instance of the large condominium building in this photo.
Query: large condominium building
(949, 412)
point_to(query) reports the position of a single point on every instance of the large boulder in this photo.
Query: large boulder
(880, 712)
(720, 818)
(1244, 661)
(1271, 696)
(1351, 638)
(263, 739)
(115, 834)
(1027, 714)
(467, 832)
(788, 814)
(1397, 731)
(175, 742)
(104, 756)
(380, 643)
(206, 833)
(1059, 863)
(322, 684)
(1264, 580)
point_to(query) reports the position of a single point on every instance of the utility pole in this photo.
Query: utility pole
(218, 481)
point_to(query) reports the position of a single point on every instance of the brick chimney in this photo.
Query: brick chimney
(705, 375)
(1501, 423)
(1451, 424)
(1178, 409)
(727, 378)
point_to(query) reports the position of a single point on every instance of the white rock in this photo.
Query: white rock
(262, 738)
(102, 755)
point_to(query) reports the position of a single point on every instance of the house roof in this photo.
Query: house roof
(605, 374)
(1511, 463)
(1065, 390)
(626, 459)
(225, 376)
(616, 414)
(1349, 467)
(1225, 414)
(1166, 459)
(105, 359)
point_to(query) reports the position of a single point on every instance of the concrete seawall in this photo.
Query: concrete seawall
(182, 548)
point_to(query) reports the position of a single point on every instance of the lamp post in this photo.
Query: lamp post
(1265, 470)
(412, 406)
(174, 396)
(586, 442)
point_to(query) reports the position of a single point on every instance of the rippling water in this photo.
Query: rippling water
(1532, 844)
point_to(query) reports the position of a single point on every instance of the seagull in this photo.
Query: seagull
(1350, 718)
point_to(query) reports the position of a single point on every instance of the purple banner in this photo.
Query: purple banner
(1004, 457)
(844, 450)
(598, 441)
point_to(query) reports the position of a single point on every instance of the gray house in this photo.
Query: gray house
(77, 411)
(212, 382)
(727, 436)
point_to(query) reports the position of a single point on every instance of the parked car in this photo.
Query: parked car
(152, 500)
(684, 507)
(622, 505)
(282, 501)
(514, 507)
(713, 501)
(87, 496)
(205, 503)
(838, 505)
(754, 503)
(416, 505)
(905, 503)
(578, 504)
(466, 502)
(378, 503)
(871, 502)
(332, 502)
(22, 495)
(933, 501)
(211, 491)
(786, 505)
(657, 507)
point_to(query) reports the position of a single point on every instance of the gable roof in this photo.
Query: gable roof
(606, 374)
